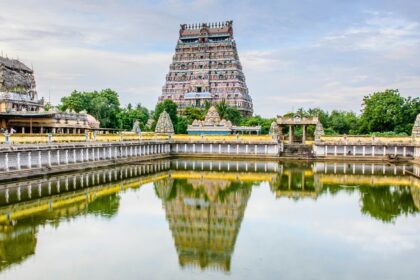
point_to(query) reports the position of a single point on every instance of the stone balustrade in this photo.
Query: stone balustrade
(28, 157)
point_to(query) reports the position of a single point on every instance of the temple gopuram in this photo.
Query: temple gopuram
(206, 68)
(21, 110)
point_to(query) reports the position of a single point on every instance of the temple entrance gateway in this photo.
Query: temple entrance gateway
(292, 122)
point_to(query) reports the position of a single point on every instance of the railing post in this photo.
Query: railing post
(29, 160)
(6, 162)
(7, 138)
(18, 161)
(50, 139)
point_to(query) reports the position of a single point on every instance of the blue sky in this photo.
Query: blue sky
(326, 54)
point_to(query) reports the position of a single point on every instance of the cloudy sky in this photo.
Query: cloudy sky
(322, 53)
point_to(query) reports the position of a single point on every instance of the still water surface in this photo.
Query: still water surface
(185, 219)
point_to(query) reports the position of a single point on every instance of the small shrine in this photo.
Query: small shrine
(212, 124)
(164, 124)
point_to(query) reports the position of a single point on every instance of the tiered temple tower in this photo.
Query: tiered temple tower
(206, 67)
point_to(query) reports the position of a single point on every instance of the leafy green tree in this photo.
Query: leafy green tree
(194, 113)
(343, 122)
(382, 111)
(258, 120)
(103, 105)
(127, 117)
(232, 114)
(181, 125)
(222, 108)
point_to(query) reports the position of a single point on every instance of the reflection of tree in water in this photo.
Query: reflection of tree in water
(387, 203)
(16, 244)
(204, 217)
(18, 238)
(106, 206)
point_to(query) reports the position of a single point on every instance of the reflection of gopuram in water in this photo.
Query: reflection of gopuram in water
(205, 210)
(26, 205)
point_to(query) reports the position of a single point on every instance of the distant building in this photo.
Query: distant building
(22, 111)
(206, 68)
(213, 124)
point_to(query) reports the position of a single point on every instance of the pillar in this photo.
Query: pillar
(49, 158)
(18, 161)
(29, 160)
(303, 134)
(291, 134)
(364, 150)
(39, 159)
(335, 150)
(66, 157)
(74, 156)
(81, 155)
(6, 162)
(58, 157)
(404, 151)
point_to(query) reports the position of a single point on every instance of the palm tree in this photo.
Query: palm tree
(222, 108)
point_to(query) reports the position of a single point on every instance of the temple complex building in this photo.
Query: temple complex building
(213, 124)
(22, 111)
(206, 68)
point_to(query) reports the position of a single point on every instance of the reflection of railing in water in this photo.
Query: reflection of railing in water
(19, 192)
(204, 200)
(224, 165)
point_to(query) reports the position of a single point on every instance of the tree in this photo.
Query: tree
(181, 125)
(382, 111)
(103, 105)
(232, 114)
(258, 120)
(343, 122)
(194, 113)
(126, 117)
